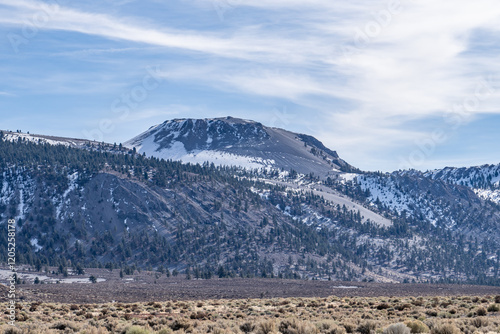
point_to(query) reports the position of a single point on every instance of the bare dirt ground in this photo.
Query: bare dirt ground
(148, 286)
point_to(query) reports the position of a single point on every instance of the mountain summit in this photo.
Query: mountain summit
(236, 142)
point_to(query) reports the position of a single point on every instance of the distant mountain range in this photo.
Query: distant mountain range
(254, 201)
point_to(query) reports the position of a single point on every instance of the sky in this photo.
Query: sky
(387, 84)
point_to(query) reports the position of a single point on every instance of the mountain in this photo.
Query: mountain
(79, 203)
(483, 180)
(236, 142)
(114, 208)
(465, 198)
(444, 204)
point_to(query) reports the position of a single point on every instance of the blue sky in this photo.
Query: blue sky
(388, 84)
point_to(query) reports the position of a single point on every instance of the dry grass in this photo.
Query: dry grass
(331, 315)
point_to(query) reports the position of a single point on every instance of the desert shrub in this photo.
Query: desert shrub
(21, 316)
(397, 329)
(64, 326)
(479, 322)
(34, 306)
(307, 328)
(287, 327)
(446, 315)
(336, 330)
(418, 302)
(12, 330)
(294, 327)
(180, 324)
(445, 329)
(137, 330)
(247, 327)
(403, 307)
(199, 315)
(383, 306)
(330, 327)
(219, 331)
(266, 327)
(481, 311)
(366, 327)
(417, 326)
(431, 313)
(164, 331)
(349, 327)
(314, 304)
(493, 308)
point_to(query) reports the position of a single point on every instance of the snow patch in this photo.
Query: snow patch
(5, 274)
(177, 151)
(348, 176)
(34, 243)
(489, 195)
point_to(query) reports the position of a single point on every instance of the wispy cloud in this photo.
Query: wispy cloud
(6, 94)
(243, 44)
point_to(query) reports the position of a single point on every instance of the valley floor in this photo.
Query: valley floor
(333, 315)
(146, 286)
(145, 290)
(149, 303)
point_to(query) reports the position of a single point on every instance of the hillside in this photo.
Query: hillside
(483, 180)
(99, 208)
(102, 205)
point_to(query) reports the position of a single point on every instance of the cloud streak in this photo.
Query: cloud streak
(245, 44)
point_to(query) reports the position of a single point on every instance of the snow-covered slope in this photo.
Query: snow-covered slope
(235, 142)
(391, 193)
(419, 196)
(68, 142)
(474, 177)
(41, 139)
(484, 180)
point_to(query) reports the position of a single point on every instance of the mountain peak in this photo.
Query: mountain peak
(237, 142)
